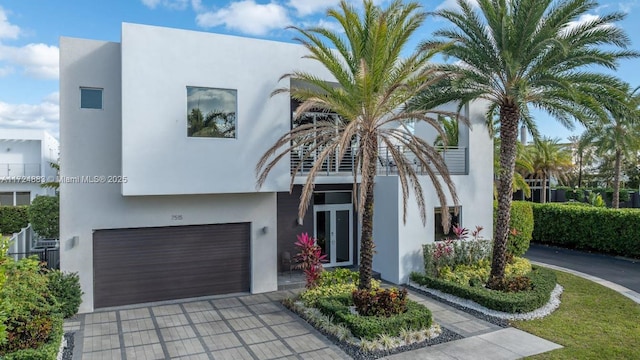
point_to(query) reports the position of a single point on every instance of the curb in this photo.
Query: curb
(606, 283)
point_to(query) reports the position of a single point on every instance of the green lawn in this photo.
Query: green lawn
(593, 322)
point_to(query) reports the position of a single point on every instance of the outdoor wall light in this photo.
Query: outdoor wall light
(72, 242)
(265, 229)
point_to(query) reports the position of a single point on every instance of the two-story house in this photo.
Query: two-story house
(25, 163)
(161, 134)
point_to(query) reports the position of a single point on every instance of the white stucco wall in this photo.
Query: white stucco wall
(92, 146)
(157, 66)
(475, 193)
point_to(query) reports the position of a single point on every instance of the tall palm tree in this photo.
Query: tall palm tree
(518, 54)
(618, 134)
(549, 159)
(373, 84)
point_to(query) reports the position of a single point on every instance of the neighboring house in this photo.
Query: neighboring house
(25, 162)
(171, 123)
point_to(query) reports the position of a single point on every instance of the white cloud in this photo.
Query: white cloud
(627, 6)
(44, 115)
(7, 30)
(308, 7)
(247, 17)
(37, 60)
(585, 18)
(453, 4)
(327, 24)
(171, 4)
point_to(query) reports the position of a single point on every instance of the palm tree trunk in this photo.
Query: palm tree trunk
(366, 236)
(543, 195)
(509, 116)
(615, 203)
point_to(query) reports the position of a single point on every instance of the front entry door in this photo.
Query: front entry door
(333, 229)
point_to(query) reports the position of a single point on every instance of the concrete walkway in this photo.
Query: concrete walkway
(258, 327)
(619, 274)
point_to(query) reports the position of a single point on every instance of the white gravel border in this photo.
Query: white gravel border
(548, 308)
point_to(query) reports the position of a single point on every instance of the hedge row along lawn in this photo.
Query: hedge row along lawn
(593, 322)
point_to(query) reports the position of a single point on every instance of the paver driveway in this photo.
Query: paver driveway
(245, 327)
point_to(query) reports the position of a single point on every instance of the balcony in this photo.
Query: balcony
(454, 157)
(8, 170)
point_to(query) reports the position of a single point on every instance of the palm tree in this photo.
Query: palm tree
(549, 159)
(451, 131)
(373, 84)
(618, 134)
(521, 53)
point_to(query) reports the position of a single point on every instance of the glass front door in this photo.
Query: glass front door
(334, 233)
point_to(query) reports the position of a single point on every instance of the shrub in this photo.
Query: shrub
(48, 350)
(380, 302)
(612, 231)
(4, 261)
(454, 252)
(416, 317)
(13, 219)
(31, 311)
(518, 267)
(576, 194)
(309, 259)
(478, 274)
(521, 225)
(623, 194)
(66, 290)
(333, 283)
(44, 216)
(543, 281)
(511, 285)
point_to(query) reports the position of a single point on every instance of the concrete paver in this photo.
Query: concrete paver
(257, 327)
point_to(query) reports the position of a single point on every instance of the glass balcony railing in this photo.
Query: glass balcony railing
(9, 170)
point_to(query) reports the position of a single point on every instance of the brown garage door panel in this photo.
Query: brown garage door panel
(152, 264)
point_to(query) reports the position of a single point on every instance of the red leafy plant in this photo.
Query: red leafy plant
(381, 302)
(309, 259)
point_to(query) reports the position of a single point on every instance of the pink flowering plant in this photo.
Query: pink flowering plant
(309, 259)
(460, 250)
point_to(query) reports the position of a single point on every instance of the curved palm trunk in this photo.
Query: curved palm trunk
(543, 195)
(615, 203)
(509, 117)
(366, 236)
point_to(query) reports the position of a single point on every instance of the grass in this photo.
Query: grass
(593, 322)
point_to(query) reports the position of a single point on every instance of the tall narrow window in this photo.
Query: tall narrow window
(440, 233)
(90, 98)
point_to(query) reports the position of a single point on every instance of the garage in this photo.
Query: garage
(139, 265)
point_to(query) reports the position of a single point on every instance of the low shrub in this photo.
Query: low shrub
(613, 231)
(333, 283)
(511, 284)
(380, 302)
(454, 252)
(543, 281)
(13, 219)
(31, 310)
(416, 317)
(478, 274)
(47, 351)
(521, 226)
(66, 289)
(44, 216)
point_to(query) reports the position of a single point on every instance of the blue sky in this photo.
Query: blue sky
(30, 31)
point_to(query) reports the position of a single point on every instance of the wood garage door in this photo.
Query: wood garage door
(152, 264)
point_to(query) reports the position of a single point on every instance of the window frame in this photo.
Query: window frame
(90, 88)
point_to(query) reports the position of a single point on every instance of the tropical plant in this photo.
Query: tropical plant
(55, 184)
(374, 81)
(549, 159)
(521, 53)
(617, 133)
(309, 259)
(451, 129)
(44, 216)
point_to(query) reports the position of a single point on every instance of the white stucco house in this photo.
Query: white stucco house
(160, 136)
(25, 158)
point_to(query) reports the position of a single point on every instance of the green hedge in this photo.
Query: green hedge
(44, 216)
(13, 219)
(613, 231)
(48, 351)
(416, 317)
(522, 222)
(542, 280)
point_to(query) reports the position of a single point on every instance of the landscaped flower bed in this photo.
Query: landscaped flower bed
(461, 267)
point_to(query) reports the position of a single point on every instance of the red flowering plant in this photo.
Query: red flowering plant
(309, 259)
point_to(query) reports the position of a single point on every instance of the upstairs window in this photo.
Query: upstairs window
(211, 112)
(90, 98)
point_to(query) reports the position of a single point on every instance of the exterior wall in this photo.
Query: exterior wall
(475, 193)
(157, 66)
(92, 146)
(34, 148)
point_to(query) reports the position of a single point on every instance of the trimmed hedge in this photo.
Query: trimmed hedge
(522, 222)
(613, 231)
(48, 351)
(44, 216)
(416, 317)
(543, 282)
(13, 219)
